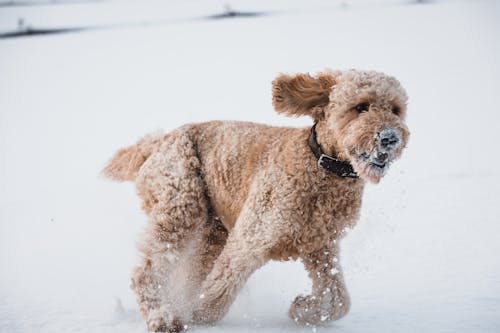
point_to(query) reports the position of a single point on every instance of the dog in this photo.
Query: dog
(225, 197)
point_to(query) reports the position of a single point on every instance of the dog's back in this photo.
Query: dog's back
(230, 154)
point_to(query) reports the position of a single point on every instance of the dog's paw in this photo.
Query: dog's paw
(304, 310)
(205, 316)
(160, 324)
(317, 310)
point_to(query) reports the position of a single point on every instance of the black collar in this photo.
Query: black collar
(340, 168)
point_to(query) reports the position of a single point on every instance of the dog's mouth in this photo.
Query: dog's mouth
(373, 166)
(377, 159)
(377, 165)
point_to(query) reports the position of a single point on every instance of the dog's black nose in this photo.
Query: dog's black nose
(388, 138)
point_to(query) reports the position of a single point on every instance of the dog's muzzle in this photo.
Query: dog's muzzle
(388, 139)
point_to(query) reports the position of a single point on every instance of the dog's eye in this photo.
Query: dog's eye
(396, 110)
(362, 107)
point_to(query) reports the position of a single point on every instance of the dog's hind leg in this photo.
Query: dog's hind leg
(174, 196)
(212, 243)
(200, 259)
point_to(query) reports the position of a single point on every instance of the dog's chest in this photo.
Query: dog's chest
(332, 210)
(321, 217)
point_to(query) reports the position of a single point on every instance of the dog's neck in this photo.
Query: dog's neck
(340, 168)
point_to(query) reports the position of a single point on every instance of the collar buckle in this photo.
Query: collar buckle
(323, 157)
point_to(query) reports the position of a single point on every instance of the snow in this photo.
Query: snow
(423, 256)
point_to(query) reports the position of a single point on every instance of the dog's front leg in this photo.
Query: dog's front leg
(244, 252)
(329, 299)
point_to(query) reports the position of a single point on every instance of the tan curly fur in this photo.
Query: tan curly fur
(223, 198)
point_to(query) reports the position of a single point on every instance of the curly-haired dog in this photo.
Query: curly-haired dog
(223, 198)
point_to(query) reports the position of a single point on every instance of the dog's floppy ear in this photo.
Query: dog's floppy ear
(302, 94)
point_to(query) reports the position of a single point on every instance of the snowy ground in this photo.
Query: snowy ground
(424, 256)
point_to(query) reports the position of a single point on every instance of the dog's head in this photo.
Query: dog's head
(360, 115)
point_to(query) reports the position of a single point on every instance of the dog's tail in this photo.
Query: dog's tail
(127, 161)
